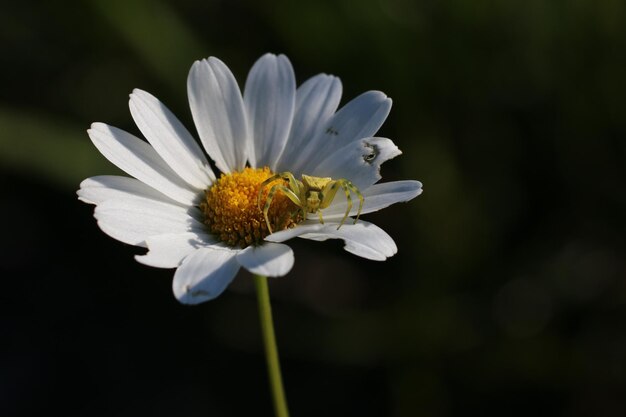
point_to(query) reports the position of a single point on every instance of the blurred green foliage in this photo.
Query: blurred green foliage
(507, 296)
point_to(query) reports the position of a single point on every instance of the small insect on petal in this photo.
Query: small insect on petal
(373, 152)
(331, 131)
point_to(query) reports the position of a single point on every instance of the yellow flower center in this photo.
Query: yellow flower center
(231, 211)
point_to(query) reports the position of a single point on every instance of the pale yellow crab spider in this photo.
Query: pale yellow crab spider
(312, 194)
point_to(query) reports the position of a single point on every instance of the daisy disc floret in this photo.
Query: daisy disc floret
(231, 210)
(270, 141)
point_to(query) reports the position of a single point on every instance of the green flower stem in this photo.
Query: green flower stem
(271, 351)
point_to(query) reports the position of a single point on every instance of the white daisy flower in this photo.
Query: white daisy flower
(208, 227)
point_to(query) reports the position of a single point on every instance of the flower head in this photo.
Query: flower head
(208, 227)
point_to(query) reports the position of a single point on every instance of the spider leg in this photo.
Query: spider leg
(346, 185)
(329, 195)
(329, 192)
(298, 195)
(263, 185)
(268, 203)
(270, 196)
(290, 195)
(294, 184)
(356, 191)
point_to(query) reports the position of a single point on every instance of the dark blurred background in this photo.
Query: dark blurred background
(507, 296)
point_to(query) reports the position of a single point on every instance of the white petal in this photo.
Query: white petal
(360, 118)
(204, 275)
(316, 101)
(140, 160)
(170, 139)
(168, 251)
(218, 112)
(269, 98)
(362, 239)
(269, 259)
(359, 161)
(96, 190)
(133, 220)
(376, 197)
